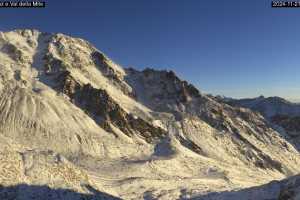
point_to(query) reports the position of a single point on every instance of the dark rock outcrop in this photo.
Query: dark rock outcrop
(13, 52)
(289, 123)
(114, 76)
(104, 110)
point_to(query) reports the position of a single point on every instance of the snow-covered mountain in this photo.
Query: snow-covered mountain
(269, 106)
(283, 114)
(72, 119)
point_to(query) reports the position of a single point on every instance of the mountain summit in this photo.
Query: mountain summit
(73, 119)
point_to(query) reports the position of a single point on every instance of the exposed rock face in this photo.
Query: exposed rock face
(291, 124)
(97, 102)
(68, 85)
(170, 94)
(132, 134)
(53, 65)
(13, 51)
(163, 87)
(114, 76)
(104, 110)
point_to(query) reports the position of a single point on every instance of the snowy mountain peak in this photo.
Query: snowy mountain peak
(132, 134)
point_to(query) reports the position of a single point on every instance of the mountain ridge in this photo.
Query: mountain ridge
(128, 132)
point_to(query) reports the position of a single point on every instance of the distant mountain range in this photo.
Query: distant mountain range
(268, 106)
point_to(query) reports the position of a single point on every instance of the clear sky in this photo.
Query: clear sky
(236, 48)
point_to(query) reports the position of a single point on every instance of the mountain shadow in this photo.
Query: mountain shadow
(36, 192)
(275, 190)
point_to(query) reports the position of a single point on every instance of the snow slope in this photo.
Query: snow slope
(131, 134)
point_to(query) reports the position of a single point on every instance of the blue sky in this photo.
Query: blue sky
(235, 48)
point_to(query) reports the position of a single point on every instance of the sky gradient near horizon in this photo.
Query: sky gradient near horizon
(234, 48)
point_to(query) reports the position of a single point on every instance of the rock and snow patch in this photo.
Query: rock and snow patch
(68, 115)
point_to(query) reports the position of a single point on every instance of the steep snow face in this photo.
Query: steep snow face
(133, 134)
